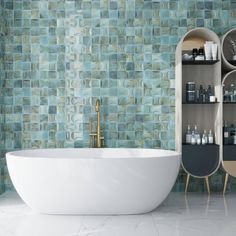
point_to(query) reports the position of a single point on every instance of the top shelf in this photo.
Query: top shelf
(205, 62)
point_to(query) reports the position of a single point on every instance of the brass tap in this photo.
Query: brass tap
(97, 139)
(98, 123)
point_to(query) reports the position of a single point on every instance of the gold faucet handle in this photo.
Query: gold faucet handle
(92, 140)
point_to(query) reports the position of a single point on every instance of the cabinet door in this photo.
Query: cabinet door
(200, 160)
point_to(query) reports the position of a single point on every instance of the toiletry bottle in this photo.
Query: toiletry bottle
(225, 93)
(205, 135)
(210, 137)
(208, 50)
(194, 52)
(231, 134)
(214, 47)
(188, 135)
(204, 96)
(210, 91)
(231, 93)
(193, 140)
(198, 139)
(226, 134)
(197, 135)
(234, 97)
(201, 91)
(204, 138)
(226, 96)
(200, 56)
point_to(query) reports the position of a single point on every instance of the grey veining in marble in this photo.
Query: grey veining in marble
(180, 215)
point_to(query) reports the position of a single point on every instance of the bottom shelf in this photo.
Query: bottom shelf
(229, 152)
(200, 160)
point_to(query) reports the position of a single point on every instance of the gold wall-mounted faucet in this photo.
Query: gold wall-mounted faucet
(96, 138)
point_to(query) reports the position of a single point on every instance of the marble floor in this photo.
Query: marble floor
(193, 214)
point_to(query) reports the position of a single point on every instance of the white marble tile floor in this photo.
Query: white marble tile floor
(193, 214)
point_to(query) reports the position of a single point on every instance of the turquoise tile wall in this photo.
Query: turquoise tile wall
(61, 55)
(3, 28)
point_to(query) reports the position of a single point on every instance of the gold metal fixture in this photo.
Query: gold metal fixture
(225, 183)
(187, 182)
(207, 184)
(96, 138)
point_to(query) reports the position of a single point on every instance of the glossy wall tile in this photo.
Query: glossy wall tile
(60, 56)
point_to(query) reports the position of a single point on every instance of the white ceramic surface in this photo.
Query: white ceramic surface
(179, 215)
(93, 181)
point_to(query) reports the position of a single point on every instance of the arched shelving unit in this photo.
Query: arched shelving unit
(227, 50)
(229, 115)
(200, 161)
(228, 47)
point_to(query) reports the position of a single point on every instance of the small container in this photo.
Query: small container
(190, 96)
(193, 139)
(234, 96)
(190, 86)
(201, 51)
(212, 98)
(234, 139)
(199, 140)
(210, 137)
(204, 137)
(194, 52)
(200, 56)
(188, 135)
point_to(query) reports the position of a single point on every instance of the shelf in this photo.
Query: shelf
(226, 50)
(200, 145)
(205, 62)
(197, 103)
(229, 102)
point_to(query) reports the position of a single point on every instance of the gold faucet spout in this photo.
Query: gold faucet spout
(96, 139)
(98, 123)
(98, 104)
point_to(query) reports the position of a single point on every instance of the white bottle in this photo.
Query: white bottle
(193, 139)
(199, 140)
(210, 137)
(188, 135)
(197, 135)
(205, 137)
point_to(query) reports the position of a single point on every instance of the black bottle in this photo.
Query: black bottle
(194, 52)
(209, 93)
(226, 134)
(201, 93)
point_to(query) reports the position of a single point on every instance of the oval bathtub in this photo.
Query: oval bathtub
(93, 181)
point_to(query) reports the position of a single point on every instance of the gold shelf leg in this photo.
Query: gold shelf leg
(225, 183)
(207, 185)
(187, 182)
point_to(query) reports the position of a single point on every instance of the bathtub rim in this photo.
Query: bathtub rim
(164, 153)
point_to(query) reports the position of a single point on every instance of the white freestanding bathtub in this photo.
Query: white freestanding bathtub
(93, 181)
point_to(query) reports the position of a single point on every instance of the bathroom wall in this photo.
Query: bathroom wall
(3, 27)
(60, 56)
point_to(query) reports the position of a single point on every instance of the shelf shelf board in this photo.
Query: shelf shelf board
(199, 103)
(229, 102)
(200, 145)
(205, 62)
